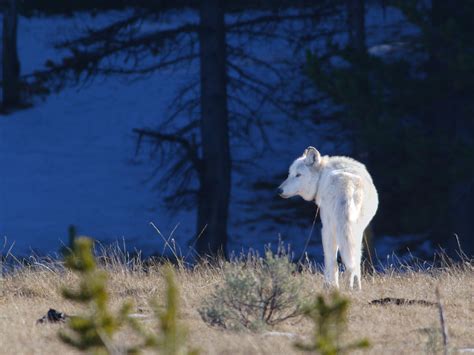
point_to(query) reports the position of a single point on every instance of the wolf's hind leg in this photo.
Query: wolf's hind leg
(349, 242)
(331, 269)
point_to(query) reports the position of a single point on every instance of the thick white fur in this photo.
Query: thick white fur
(348, 200)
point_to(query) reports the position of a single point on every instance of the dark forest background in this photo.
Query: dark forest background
(404, 101)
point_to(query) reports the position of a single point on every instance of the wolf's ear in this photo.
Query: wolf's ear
(312, 156)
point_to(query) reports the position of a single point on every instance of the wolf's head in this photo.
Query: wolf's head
(303, 176)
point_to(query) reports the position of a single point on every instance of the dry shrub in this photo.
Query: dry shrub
(254, 294)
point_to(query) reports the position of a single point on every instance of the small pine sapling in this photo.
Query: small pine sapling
(95, 330)
(330, 323)
(171, 336)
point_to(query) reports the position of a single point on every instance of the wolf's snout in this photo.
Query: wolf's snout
(280, 191)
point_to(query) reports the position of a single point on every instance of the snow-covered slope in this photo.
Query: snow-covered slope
(71, 160)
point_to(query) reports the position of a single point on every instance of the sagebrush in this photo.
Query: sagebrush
(254, 294)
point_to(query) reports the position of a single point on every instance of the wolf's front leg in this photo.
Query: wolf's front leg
(331, 270)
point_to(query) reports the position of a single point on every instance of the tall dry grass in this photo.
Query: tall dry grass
(29, 290)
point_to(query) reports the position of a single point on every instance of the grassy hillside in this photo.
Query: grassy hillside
(27, 293)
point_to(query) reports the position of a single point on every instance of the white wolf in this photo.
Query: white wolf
(347, 199)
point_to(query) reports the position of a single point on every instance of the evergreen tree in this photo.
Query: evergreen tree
(413, 111)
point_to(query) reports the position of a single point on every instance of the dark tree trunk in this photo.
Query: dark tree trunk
(10, 62)
(451, 123)
(356, 24)
(213, 202)
(356, 31)
(460, 221)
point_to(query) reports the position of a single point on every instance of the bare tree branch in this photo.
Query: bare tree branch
(190, 148)
(90, 51)
(284, 17)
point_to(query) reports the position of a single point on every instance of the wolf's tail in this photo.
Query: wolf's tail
(350, 210)
(353, 203)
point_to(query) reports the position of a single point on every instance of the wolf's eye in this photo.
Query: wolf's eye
(298, 175)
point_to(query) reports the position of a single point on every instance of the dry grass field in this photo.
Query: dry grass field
(28, 293)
